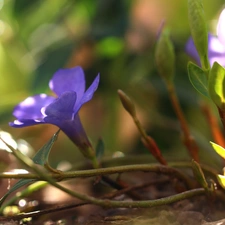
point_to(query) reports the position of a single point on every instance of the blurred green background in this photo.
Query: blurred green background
(116, 39)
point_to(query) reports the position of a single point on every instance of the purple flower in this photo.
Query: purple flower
(69, 86)
(216, 44)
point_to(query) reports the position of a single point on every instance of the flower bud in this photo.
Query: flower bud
(127, 103)
(165, 56)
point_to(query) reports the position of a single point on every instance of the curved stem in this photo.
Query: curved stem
(219, 194)
(107, 171)
(115, 204)
(118, 169)
(131, 204)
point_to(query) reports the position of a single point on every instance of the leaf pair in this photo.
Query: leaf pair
(212, 87)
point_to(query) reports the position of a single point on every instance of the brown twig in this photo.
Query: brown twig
(214, 126)
(188, 140)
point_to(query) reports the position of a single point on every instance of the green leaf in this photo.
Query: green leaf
(100, 148)
(216, 85)
(221, 180)
(199, 175)
(27, 191)
(220, 150)
(198, 79)
(40, 158)
(199, 30)
(16, 186)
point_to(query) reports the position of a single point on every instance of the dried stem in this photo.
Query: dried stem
(214, 126)
(222, 116)
(188, 140)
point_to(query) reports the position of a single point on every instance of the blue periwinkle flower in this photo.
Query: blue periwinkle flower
(216, 44)
(62, 111)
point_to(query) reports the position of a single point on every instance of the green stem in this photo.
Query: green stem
(115, 204)
(219, 195)
(143, 159)
(118, 169)
(131, 204)
(106, 171)
(95, 162)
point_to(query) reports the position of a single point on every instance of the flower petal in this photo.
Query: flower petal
(220, 27)
(88, 93)
(25, 123)
(214, 45)
(73, 129)
(68, 80)
(216, 51)
(30, 108)
(61, 108)
(192, 51)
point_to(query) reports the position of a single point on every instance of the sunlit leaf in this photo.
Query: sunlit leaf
(220, 150)
(221, 180)
(23, 193)
(198, 79)
(216, 85)
(16, 186)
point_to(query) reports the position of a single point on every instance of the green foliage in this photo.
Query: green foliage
(106, 37)
(198, 79)
(110, 47)
(217, 85)
(40, 158)
(199, 175)
(100, 148)
(220, 150)
(221, 180)
(199, 31)
(15, 187)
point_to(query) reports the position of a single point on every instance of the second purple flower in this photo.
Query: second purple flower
(216, 44)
